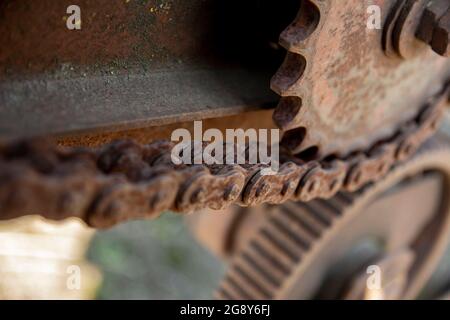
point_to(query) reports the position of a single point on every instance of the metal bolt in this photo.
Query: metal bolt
(434, 28)
(441, 36)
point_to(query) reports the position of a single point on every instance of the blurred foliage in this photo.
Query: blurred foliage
(157, 259)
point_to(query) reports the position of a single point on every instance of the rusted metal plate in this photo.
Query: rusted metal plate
(261, 119)
(133, 63)
(42, 105)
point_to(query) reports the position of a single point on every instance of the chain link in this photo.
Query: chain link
(126, 180)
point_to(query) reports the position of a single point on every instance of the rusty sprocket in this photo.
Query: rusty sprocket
(340, 91)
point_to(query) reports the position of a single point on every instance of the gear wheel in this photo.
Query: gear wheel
(340, 91)
(298, 247)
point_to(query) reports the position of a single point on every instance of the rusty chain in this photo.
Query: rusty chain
(126, 180)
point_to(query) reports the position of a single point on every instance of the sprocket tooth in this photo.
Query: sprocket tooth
(259, 281)
(310, 220)
(308, 144)
(321, 5)
(234, 290)
(223, 294)
(264, 267)
(246, 281)
(286, 114)
(270, 250)
(285, 222)
(287, 79)
(295, 37)
(311, 232)
(301, 143)
(293, 139)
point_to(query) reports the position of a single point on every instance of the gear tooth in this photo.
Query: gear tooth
(291, 212)
(246, 282)
(286, 114)
(283, 241)
(310, 141)
(286, 223)
(320, 4)
(345, 197)
(293, 138)
(297, 242)
(223, 294)
(287, 79)
(322, 213)
(290, 41)
(338, 203)
(257, 280)
(264, 267)
(272, 245)
(294, 37)
(234, 289)
(306, 217)
(228, 291)
(300, 143)
(328, 207)
(265, 251)
(287, 82)
(319, 218)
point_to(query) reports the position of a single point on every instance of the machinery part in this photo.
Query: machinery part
(134, 64)
(127, 180)
(435, 26)
(302, 248)
(441, 36)
(227, 231)
(340, 90)
(404, 27)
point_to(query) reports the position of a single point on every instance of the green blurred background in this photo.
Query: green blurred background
(157, 259)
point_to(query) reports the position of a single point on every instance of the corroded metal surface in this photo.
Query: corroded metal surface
(441, 36)
(297, 247)
(435, 26)
(105, 103)
(133, 64)
(340, 90)
(127, 180)
(356, 104)
(118, 36)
